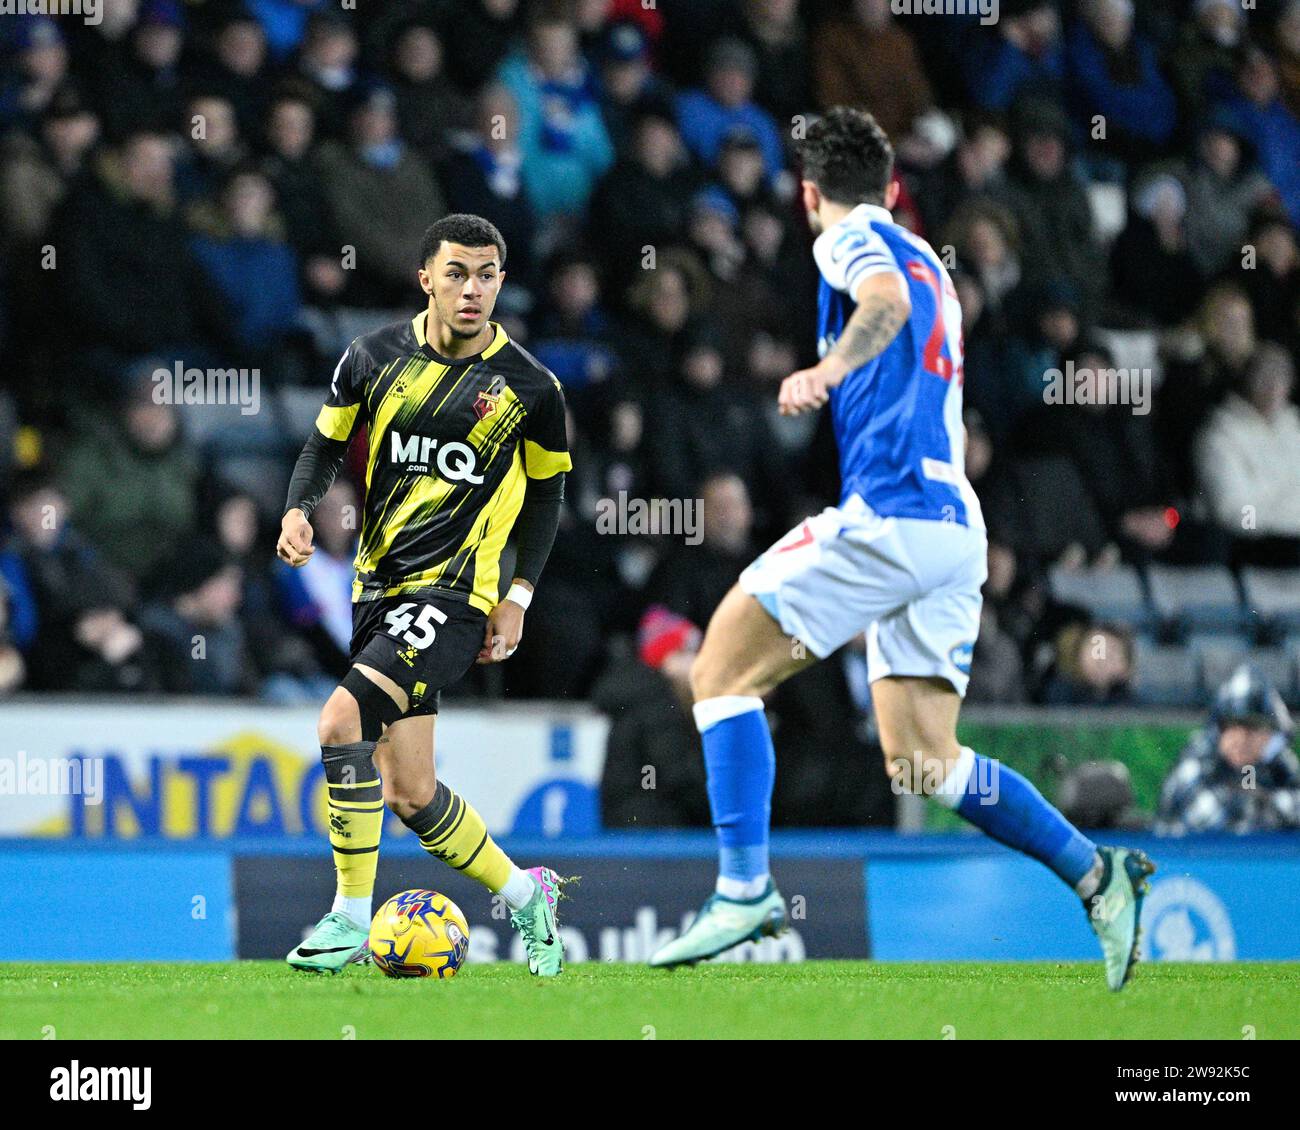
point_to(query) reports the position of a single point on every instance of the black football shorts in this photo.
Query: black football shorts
(423, 642)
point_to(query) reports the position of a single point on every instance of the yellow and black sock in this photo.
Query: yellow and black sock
(451, 830)
(356, 815)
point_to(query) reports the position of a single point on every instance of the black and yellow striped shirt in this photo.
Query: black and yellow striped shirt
(452, 445)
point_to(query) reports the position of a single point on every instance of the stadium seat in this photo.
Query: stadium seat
(299, 408)
(1196, 597)
(1220, 658)
(1134, 349)
(1109, 208)
(1167, 676)
(1107, 594)
(262, 476)
(1273, 595)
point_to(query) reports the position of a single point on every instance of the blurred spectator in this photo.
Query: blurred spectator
(641, 203)
(707, 115)
(141, 89)
(1287, 34)
(1247, 465)
(1238, 774)
(1271, 276)
(284, 21)
(663, 303)
(1051, 205)
(238, 69)
(1094, 666)
(37, 169)
(295, 175)
(486, 175)
(194, 628)
(1018, 56)
(1155, 274)
(654, 771)
(976, 167)
(704, 562)
(1223, 189)
(380, 196)
(1267, 123)
(316, 600)
(986, 238)
(572, 336)
(214, 151)
(479, 38)
(865, 58)
(774, 31)
(628, 83)
(1206, 55)
(1212, 361)
(40, 69)
(240, 239)
(562, 132)
(69, 609)
(13, 670)
(327, 65)
(1114, 448)
(431, 109)
(131, 482)
(1055, 328)
(124, 227)
(706, 424)
(1114, 78)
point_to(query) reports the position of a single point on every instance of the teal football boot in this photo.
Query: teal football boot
(336, 943)
(723, 923)
(1115, 911)
(539, 926)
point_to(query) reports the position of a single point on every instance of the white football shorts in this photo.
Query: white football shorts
(913, 585)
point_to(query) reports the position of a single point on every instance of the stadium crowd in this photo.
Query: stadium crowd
(243, 186)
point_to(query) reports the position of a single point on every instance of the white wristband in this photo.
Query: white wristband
(521, 596)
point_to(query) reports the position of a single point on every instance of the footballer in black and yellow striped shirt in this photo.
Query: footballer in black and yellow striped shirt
(467, 444)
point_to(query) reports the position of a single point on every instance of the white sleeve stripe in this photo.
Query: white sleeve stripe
(855, 277)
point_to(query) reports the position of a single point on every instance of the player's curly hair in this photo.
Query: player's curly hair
(847, 156)
(465, 229)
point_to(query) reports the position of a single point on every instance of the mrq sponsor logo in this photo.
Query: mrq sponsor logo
(77, 1083)
(456, 462)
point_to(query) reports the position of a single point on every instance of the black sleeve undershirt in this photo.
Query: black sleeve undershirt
(314, 473)
(536, 526)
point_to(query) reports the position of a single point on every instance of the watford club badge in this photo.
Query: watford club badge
(486, 403)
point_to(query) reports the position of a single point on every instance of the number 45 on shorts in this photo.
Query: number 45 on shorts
(417, 630)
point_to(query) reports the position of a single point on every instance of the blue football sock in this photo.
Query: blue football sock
(741, 767)
(1004, 805)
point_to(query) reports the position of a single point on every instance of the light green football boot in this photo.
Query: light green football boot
(539, 927)
(336, 943)
(1115, 911)
(723, 923)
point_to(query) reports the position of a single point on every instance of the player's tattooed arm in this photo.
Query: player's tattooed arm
(883, 309)
(874, 324)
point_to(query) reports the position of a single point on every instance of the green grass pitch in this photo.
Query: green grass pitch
(844, 999)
